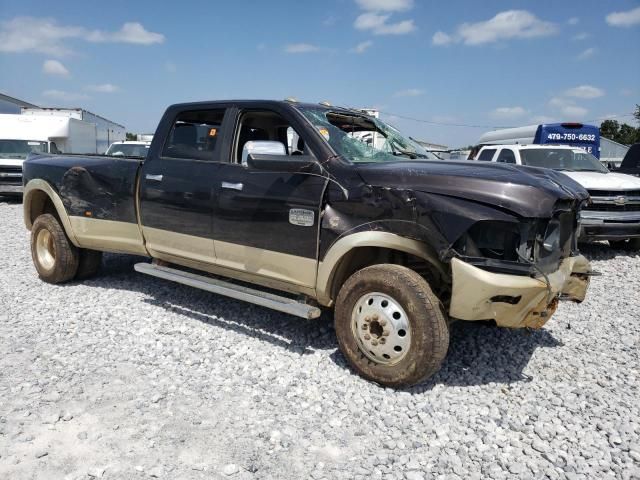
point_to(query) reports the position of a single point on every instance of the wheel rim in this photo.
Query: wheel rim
(45, 249)
(381, 328)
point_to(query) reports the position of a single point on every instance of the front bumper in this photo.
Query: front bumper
(515, 301)
(596, 225)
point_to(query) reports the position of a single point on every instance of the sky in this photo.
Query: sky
(443, 72)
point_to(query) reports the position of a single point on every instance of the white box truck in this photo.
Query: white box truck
(107, 131)
(23, 134)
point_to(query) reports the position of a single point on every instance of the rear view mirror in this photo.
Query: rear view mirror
(262, 147)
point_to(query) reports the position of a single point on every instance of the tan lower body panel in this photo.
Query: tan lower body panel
(267, 263)
(160, 241)
(237, 274)
(474, 293)
(107, 235)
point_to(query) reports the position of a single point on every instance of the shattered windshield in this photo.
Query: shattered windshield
(562, 159)
(20, 148)
(360, 138)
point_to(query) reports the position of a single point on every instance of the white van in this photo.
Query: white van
(614, 211)
(23, 134)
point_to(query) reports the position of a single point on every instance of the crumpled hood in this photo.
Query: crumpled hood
(605, 181)
(526, 191)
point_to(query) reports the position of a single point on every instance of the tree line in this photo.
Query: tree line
(622, 132)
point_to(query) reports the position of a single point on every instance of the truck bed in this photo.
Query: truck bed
(95, 186)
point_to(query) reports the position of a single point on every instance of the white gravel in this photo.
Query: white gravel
(126, 377)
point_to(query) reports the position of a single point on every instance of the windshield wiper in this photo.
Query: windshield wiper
(399, 152)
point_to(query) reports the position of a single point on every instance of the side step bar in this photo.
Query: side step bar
(264, 299)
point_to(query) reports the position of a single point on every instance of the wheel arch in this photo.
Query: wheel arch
(363, 249)
(40, 197)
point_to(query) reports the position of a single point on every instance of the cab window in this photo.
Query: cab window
(194, 135)
(256, 128)
(506, 156)
(487, 155)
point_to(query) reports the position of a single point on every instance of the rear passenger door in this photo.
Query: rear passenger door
(177, 187)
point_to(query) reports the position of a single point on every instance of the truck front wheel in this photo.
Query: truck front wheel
(54, 256)
(390, 325)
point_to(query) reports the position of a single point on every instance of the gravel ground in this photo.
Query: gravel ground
(125, 377)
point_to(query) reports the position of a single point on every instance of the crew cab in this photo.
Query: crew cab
(283, 204)
(613, 213)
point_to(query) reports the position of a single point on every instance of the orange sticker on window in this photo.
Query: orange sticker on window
(213, 132)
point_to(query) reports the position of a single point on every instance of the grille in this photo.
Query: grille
(11, 175)
(11, 169)
(607, 207)
(615, 193)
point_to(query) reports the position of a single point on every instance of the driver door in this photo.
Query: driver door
(266, 223)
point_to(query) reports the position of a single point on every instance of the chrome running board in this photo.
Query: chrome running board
(239, 292)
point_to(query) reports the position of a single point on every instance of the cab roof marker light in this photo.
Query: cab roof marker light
(326, 104)
(291, 99)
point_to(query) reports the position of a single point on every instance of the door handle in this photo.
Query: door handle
(155, 178)
(232, 186)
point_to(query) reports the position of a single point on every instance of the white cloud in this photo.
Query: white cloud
(362, 47)
(54, 67)
(409, 92)
(584, 91)
(385, 5)
(573, 112)
(441, 38)
(103, 88)
(377, 23)
(130, 32)
(301, 48)
(587, 53)
(624, 19)
(573, 21)
(568, 108)
(377, 14)
(64, 96)
(508, 112)
(581, 36)
(510, 24)
(46, 35)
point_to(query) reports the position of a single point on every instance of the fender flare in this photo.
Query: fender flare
(39, 185)
(328, 266)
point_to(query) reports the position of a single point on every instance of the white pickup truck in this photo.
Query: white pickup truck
(614, 211)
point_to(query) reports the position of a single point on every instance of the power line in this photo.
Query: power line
(494, 127)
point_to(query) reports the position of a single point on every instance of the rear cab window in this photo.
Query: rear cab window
(506, 156)
(195, 134)
(486, 155)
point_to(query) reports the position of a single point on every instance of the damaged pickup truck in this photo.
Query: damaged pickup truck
(299, 207)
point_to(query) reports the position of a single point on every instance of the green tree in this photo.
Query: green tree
(130, 136)
(621, 132)
(637, 113)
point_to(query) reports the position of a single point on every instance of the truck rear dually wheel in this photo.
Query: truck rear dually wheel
(390, 325)
(54, 256)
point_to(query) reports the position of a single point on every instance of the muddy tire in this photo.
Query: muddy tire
(632, 244)
(54, 256)
(390, 325)
(89, 263)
